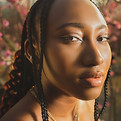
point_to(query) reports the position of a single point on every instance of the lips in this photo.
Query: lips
(92, 79)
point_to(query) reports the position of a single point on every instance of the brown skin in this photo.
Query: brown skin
(66, 60)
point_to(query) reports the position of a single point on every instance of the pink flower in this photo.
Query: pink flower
(117, 24)
(7, 53)
(23, 10)
(17, 45)
(12, 1)
(113, 38)
(5, 22)
(112, 73)
(1, 34)
(108, 19)
(106, 12)
(9, 6)
(113, 61)
(19, 74)
(108, 104)
(113, 5)
(2, 63)
(117, 90)
(100, 106)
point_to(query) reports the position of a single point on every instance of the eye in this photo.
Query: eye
(69, 38)
(103, 39)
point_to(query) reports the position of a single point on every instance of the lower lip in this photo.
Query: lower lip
(92, 82)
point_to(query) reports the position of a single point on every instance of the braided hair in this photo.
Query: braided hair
(26, 74)
(37, 68)
(21, 79)
(97, 114)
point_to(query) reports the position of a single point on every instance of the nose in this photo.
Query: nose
(92, 55)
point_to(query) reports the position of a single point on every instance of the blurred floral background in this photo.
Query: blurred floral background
(12, 16)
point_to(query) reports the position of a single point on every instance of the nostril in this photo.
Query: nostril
(92, 58)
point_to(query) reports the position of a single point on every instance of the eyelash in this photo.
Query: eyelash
(106, 39)
(69, 38)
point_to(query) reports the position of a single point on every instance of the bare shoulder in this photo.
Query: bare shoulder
(27, 109)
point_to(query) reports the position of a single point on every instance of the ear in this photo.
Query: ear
(28, 53)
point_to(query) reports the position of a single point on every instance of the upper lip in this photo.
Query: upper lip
(92, 74)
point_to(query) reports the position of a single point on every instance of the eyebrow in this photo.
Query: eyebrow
(76, 25)
(79, 25)
(102, 27)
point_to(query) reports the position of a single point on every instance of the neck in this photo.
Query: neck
(63, 106)
(59, 104)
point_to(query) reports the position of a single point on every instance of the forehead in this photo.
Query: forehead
(65, 11)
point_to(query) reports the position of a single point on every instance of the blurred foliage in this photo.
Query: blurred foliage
(12, 16)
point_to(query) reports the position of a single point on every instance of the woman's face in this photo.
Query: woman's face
(77, 54)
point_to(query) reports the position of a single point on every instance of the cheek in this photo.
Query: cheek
(106, 53)
(61, 58)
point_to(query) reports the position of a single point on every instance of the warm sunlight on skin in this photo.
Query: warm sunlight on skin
(77, 45)
(76, 61)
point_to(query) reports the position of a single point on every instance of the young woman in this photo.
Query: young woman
(62, 65)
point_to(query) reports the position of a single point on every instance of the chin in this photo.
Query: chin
(89, 94)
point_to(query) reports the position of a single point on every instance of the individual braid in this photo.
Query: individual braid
(96, 113)
(96, 109)
(105, 92)
(10, 97)
(21, 78)
(37, 69)
(14, 89)
(43, 26)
